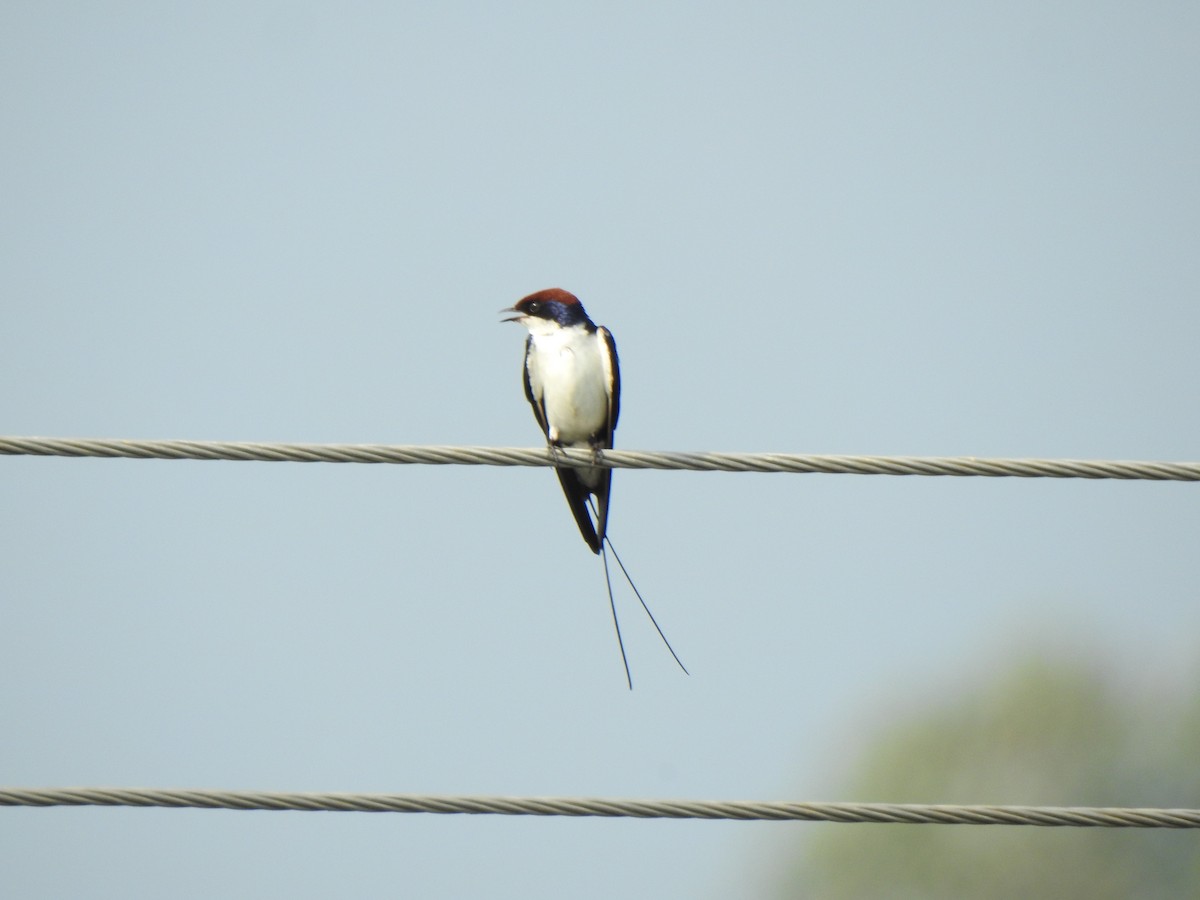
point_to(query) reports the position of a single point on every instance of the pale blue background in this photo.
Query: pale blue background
(923, 228)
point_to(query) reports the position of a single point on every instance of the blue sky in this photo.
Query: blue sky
(927, 228)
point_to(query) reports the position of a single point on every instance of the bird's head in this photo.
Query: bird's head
(549, 308)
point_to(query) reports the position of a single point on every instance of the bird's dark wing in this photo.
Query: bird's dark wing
(614, 397)
(539, 411)
(604, 488)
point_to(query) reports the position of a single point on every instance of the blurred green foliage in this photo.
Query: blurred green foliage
(1042, 734)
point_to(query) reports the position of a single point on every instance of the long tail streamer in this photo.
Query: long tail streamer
(604, 548)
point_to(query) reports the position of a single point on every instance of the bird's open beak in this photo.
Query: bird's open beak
(512, 309)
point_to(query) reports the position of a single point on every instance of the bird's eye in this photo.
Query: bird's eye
(535, 306)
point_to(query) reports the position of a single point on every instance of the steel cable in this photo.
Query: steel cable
(617, 459)
(739, 810)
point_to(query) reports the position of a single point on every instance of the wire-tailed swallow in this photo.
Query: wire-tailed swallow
(573, 382)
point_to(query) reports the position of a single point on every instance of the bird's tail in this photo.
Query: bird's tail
(577, 498)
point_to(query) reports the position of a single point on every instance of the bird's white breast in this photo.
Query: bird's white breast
(569, 373)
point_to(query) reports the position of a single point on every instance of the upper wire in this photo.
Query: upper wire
(1128, 470)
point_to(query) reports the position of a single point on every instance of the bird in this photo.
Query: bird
(573, 384)
(572, 379)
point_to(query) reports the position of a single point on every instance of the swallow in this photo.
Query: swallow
(573, 383)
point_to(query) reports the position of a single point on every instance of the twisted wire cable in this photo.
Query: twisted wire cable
(737, 810)
(616, 459)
